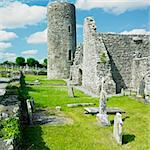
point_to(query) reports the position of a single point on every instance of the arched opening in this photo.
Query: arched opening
(80, 77)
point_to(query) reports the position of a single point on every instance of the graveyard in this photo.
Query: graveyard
(81, 131)
(90, 89)
(43, 114)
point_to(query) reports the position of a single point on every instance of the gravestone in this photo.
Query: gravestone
(29, 108)
(118, 128)
(32, 104)
(102, 116)
(70, 90)
(103, 99)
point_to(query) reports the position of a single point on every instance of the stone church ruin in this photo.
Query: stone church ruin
(124, 60)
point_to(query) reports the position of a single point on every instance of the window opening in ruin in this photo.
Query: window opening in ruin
(80, 77)
(69, 28)
(69, 54)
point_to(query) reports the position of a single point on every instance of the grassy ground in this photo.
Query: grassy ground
(84, 133)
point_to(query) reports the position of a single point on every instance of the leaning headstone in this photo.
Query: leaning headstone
(32, 104)
(102, 116)
(118, 128)
(29, 112)
(70, 90)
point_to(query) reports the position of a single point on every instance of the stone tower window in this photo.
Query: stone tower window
(70, 28)
(69, 55)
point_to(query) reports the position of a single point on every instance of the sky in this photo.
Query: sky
(23, 23)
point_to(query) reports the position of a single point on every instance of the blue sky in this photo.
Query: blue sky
(23, 23)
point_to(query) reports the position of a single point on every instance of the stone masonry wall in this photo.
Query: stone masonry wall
(93, 67)
(89, 56)
(122, 50)
(110, 56)
(76, 68)
(140, 69)
(10, 106)
(61, 39)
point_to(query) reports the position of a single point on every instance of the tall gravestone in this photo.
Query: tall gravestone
(32, 104)
(102, 116)
(118, 128)
(70, 89)
(29, 108)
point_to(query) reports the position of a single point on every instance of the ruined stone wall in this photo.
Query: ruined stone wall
(76, 68)
(89, 55)
(61, 39)
(10, 106)
(140, 71)
(122, 50)
(95, 60)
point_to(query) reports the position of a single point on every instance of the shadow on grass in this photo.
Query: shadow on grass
(32, 139)
(126, 138)
(112, 121)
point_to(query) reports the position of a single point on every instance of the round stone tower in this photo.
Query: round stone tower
(61, 39)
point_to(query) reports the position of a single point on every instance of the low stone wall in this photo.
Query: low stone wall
(10, 107)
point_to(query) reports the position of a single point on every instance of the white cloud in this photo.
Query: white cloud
(4, 45)
(114, 6)
(29, 52)
(17, 14)
(38, 37)
(41, 37)
(136, 31)
(5, 36)
(7, 56)
(1, 27)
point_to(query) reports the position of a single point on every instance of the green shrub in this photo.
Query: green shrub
(103, 58)
(10, 128)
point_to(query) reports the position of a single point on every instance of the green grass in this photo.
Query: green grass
(43, 80)
(84, 133)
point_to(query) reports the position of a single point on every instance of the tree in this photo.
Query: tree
(8, 63)
(37, 63)
(32, 62)
(20, 61)
(45, 62)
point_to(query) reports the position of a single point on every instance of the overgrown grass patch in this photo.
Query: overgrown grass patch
(84, 133)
